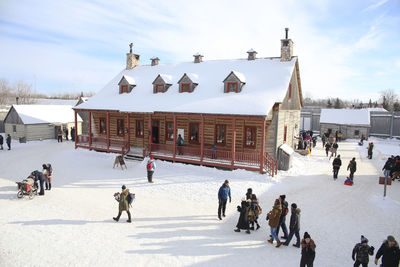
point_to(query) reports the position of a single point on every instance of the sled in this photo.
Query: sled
(382, 181)
(348, 182)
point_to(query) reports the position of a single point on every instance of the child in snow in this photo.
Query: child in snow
(361, 251)
(334, 149)
(123, 204)
(307, 251)
(390, 252)
(223, 193)
(254, 212)
(327, 148)
(151, 166)
(370, 148)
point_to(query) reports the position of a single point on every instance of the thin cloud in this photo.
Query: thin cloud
(375, 5)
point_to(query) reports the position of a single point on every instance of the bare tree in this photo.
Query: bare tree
(24, 92)
(5, 92)
(388, 98)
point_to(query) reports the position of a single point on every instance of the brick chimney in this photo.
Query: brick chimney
(154, 61)
(198, 58)
(286, 48)
(132, 60)
(251, 54)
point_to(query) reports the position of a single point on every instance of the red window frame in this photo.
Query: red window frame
(120, 127)
(139, 129)
(216, 135)
(159, 88)
(253, 133)
(290, 90)
(169, 131)
(123, 89)
(284, 133)
(196, 139)
(236, 87)
(102, 126)
(185, 87)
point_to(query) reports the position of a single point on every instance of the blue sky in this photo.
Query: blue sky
(346, 49)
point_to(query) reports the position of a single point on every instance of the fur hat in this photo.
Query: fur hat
(294, 205)
(282, 197)
(390, 238)
(364, 239)
(123, 187)
(249, 190)
(306, 235)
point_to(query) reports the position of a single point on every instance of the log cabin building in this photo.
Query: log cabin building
(230, 113)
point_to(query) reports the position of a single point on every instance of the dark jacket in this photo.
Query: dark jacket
(8, 140)
(335, 146)
(327, 146)
(307, 250)
(391, 255)
(361, 252)
(224, 192)
(39, 176)
(389, 165)
(284, 209)
(370, 148)
(1, 139)
(295, 220)
(352, 166)
(123, 203)
(337, 162)
(243, 222)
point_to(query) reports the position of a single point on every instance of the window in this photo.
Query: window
(139, 128)
(123, 89)
(120, 127)
(356, 132)
(103, 126)
(290, 90)
(220, 134)
(158, 88)
(14, 128)
(232, 87)
(193, 132)
(284, 133)
(250, 135)
(169, 131)
(185, 87)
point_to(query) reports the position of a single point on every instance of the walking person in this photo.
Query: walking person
(66, 133)
(334, 149)
(255, 209)
(73, 134)
(390, 253)
(337, 162)
(294, 226)
(249, 193)
(370, 149)
(273, 221)
(327, 148)
(223, 193)
(352, 167)
(123, 204)
(282, 219)
(151, 166)
(8, 141)
(47, 174)
(388, 167)
(323, 139)
(307, 251)
(1, 141)
(243, 222)
(361, 251)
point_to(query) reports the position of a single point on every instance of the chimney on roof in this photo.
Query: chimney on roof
(132, 60)
(251, 54)
(154, 61)
(286, 47)
(198, 58)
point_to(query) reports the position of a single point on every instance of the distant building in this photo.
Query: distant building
(39, 122)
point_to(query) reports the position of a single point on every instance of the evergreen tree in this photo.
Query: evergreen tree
(337, 103)
(370, 103)
(329, 104)
(396, 106)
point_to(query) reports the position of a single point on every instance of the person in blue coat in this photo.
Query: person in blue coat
(223, 194)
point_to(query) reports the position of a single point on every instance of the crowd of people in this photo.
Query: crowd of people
(391, 169)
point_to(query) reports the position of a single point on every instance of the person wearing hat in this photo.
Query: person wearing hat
(123, 204)
(337, 162)
(249, 193)
(390, 253)
(273, 221)
(294, 226)
(282, 219)
(352, 167)
(223, 193)
(307, 251)
(361, 252)
(370, 148)
(151, 166)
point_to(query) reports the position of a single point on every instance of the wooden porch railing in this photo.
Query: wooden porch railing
(100, 143)
(270, 164)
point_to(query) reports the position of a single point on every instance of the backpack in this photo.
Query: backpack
(130, 197)
(286, 211)
(258, 210)
(149, 165)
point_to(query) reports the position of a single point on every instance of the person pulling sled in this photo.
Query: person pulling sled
(123, 200)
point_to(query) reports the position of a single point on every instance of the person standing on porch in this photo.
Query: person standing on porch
(151, 166)
(180, 144)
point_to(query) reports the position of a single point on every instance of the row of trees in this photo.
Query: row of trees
(388, 100)
(24, 92)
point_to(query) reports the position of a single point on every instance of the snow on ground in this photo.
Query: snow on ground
(175, 219)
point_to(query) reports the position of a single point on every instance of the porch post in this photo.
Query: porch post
(128, 131)
(149, 134)
(233, 150)
(108, 130)
(90, 130)
(175, 139)
(76, 128)
(202, 139)
(262, 147)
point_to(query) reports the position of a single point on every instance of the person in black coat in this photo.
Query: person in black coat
(8, 140)
(337, 162)
(1, 141)
(327, 148)
(370, 148)
(390, 252)
(294, 226)
(41, 178)
(73, 133)
(243, 222)
(307, 251)
(249, 193)
(282, 220)
(388, 167)
(361, 252)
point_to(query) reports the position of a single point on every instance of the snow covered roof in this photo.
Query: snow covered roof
(267, 80)
(240, 76)
(345, 116)
(35, 114)
(377, 110)
(129, 79)
(167, 78)
(194, 77)
(287, 149)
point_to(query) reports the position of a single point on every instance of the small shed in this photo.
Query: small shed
(38, 122)
(285, 157)
(353, 123)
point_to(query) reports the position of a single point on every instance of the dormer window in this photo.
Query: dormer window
(162, 83)
(188, 82)
(126, 84)
(234, 82)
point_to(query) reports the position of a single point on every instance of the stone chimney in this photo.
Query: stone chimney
(286, 48)
(154, 61)
(198, 58)
(252, 54)
(132, 60)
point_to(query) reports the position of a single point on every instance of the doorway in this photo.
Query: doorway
(155, 131)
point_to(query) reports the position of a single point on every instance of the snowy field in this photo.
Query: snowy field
(175, 219)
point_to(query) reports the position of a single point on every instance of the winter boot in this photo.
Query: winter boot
(258, 226)
(248, 231)
(271, 241)
(117, 218)
(219, 217)
(279, 244)
(129, 217)
(237, 230)
(252, 228)
(295, 245)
